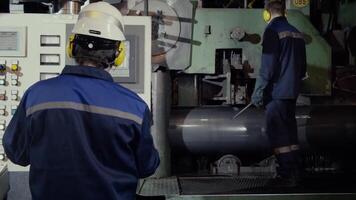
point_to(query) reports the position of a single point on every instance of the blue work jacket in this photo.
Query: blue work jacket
(283, 64)
(84, 136)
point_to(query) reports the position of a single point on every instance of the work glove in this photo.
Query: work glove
(257, 98)
(258, 93)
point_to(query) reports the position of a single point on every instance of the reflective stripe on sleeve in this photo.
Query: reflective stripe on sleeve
(279, 150)
(285, 34)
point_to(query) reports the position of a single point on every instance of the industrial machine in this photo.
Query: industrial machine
(205, 59)
(205, 153)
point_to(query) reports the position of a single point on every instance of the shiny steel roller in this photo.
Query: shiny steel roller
(212, 130)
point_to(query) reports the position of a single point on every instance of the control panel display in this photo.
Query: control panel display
(13, 41)
(8, 41)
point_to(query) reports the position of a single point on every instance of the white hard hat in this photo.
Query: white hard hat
(100, 20)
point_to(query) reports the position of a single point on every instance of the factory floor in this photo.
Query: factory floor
(19, 187)
(249, 187)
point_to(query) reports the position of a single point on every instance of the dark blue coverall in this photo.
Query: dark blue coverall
(282, 69)
(84, 136)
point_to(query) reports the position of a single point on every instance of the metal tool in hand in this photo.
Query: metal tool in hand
(243, 110)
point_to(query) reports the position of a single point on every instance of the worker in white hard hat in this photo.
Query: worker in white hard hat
(98, 36)
(85, 136)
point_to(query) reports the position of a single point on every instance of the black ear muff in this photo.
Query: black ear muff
(120, 58)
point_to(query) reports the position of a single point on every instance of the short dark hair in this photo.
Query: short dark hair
(99, 58)
(276, 7)
(102, 56)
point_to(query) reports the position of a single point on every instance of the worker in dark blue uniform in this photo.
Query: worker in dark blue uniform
(84, 136)
(282, 69)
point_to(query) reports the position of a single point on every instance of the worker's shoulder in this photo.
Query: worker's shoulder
(123, 91)
(48, 83)
(127, 101)
(282, 25)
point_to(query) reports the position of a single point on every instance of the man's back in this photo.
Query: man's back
(88, 137)
(284, 58)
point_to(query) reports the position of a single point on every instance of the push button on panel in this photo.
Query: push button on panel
(2, 66)
(15, 65)
(13, 109)
(2, 125)
(14, 80)
(2, 110)
(14, 95)
(2, 79)
(2, 95)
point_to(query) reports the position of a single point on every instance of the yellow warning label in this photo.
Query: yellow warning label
(300, 3)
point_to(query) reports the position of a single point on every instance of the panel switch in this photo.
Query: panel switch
(2, 125)
(2, 66)
(2, 95)
(15, 65)
(14, 95)
(2, 110)
(13, 109)
(2, 79)
(14, 80)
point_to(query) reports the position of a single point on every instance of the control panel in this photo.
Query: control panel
(33, 48)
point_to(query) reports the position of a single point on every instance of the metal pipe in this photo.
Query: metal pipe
(146, 7)
(160, 110)
(241, 111)
(207, 130)
(69, 6)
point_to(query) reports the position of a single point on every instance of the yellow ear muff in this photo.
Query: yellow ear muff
(122, 53)
(70, 45)
(266, 15)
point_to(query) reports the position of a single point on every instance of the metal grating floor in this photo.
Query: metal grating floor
(222, 184)
(245, 185)
(159, 187)
(258, 185)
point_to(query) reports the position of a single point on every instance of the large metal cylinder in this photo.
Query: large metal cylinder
(60, 6)
(69, 6)
(211, 130)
